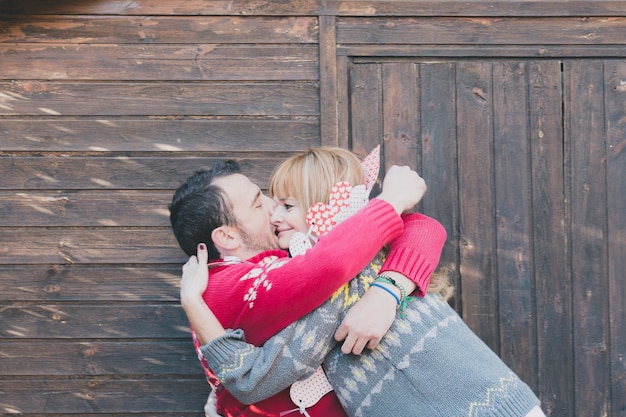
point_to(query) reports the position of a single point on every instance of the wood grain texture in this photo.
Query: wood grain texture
(63, 98)
(552, 269)
(584, 93)
(131, 62)
(478, 267)
(364, 8)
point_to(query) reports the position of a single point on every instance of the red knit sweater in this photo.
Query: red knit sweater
(269, 291)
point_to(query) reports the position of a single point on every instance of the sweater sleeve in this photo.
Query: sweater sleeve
(286, 290)
(253, 373)
(416, 252)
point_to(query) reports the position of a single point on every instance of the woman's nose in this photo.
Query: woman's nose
(278, 214)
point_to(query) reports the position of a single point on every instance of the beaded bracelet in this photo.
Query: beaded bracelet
(403, 298)
(388, 280)
(382, 287)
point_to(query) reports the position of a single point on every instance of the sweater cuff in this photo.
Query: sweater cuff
(223, 349)
(412, 264)
(384, 217)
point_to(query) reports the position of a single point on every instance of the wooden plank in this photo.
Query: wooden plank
(552, 269)
(343, 100)
(366, 118)
(364, 53)
(615, 97)
(515, 269)
(153, 29)
(584, 81)
(166, 134)
(102, 245)
(119, 321)
(476, 193)
(61, 98)
(25, 358)
(437, 85)
(85, 208)
(76, 283)
(140, 173)
(401, 124)
(197, 62)
(328, 82)
(487, 31)
(314, 7)
(155, 397)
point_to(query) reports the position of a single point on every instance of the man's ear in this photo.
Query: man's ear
(226, 239)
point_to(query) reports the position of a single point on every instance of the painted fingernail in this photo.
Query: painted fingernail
(202, 247)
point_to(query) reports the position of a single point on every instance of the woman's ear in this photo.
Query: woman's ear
(226, 239)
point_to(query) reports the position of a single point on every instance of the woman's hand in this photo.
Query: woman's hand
(193, 284)
(195, 276)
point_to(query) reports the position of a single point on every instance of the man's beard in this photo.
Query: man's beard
(257, 243)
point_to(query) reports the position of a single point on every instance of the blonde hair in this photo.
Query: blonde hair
(309, 177)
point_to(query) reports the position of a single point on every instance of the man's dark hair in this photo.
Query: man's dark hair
(198, 207)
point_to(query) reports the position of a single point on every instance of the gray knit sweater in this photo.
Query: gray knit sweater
(428, 364)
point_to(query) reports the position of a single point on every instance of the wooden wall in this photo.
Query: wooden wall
(514, 112)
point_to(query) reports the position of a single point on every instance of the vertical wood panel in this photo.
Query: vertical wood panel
(344, 72)
(328, 81)
(615, 105)
(584, 100)
(552, 271)
(439, 158)
(514, 217)
(366, 109)
(476, 194)
(400, 119)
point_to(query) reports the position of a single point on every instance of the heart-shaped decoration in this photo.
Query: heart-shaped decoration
(299, 244)
(371, 167)
(308, 392)
(320, 218)
(357, 200)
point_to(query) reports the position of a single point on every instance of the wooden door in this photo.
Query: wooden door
(523, 160)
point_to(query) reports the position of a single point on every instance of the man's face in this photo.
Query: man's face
(253, 211)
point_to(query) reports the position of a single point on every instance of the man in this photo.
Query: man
(258, 288)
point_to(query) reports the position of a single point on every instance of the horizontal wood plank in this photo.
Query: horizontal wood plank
(365, 53)
(139, 173)
(77, 357)
(62, 98)
(159, 62)
(494, 31)
(171, 135)
(76, 283)
(103, 245)
(84, 208)
(94, 321)
(161, 29)
(320, 7)
(156, 397)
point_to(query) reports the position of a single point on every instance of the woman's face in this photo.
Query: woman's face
(288, 218)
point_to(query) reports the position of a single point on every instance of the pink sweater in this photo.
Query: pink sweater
(269, 291)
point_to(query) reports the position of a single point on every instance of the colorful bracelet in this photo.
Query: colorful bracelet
(388, 280)
(403, 297)
(376, 284)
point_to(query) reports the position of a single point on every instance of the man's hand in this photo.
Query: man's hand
(403, 188)
(367, 321)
